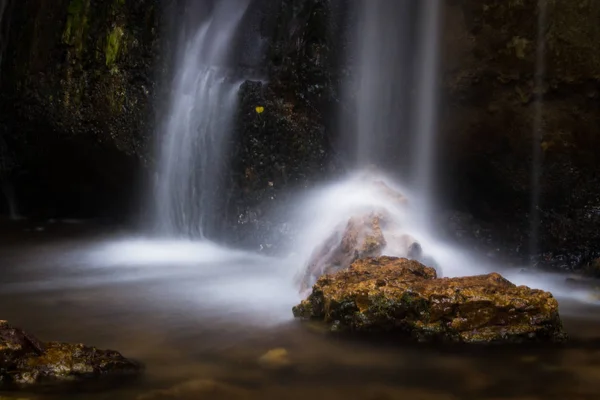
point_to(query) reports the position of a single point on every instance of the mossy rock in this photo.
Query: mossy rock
(26, 361)
(405, 299)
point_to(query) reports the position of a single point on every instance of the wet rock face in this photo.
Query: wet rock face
(404, 298)
(282, 139)
(489, 110)
(77, 100)
(24, 360)
(277, 150)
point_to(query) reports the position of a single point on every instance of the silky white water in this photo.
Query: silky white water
(425, 127)
(374, 92)
(197, 125)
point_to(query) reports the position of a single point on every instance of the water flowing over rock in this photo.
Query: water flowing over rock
(362, 237)
(24, 360)
(371, 233)
(389, 295)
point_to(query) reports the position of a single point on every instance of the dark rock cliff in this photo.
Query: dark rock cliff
(76, 101)
(282, 141)
(489, 113)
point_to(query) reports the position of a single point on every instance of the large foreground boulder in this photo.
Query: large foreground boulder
(406, 299)
(24, 360)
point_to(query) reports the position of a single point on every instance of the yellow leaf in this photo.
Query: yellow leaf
(546, 145)
(260, 109)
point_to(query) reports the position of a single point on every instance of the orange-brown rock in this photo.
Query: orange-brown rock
(405, 298)
(362, 237)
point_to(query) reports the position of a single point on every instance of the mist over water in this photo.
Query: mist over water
(328, 209)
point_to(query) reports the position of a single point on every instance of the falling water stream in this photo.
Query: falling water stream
(424, 161)
(380, 56)
(198, 121)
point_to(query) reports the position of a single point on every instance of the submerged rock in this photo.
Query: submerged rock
(275, 359)
(24, 360)
(405, 298)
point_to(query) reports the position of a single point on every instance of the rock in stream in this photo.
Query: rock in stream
(401, 297)
(26, 361)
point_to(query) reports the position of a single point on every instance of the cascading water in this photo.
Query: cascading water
(537, 129)
(380, 58)
(201, 107)
(388, 126)
(423, 163)
(373, 190)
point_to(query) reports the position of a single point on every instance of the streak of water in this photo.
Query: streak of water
(424, 161)
(380, 56)
(201, 108)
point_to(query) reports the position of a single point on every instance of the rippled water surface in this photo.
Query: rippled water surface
(203, 317)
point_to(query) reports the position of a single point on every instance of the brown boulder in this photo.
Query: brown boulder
(406, 299)
(24, 360)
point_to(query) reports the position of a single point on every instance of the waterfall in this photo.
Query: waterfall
(201, 108)
(379, 58)
(393, 94)
(424, 153)
(393, 129)
(537, 129)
